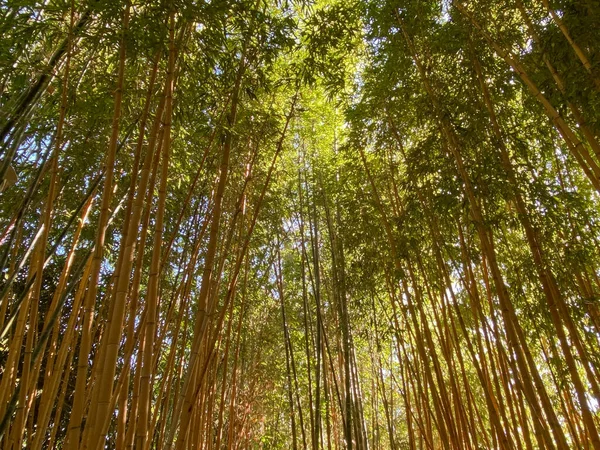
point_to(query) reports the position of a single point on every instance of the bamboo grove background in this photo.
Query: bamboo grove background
(366, 224)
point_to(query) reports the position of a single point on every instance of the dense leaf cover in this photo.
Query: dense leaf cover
(344, 224)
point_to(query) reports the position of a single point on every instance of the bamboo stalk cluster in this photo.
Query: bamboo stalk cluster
(206, 248)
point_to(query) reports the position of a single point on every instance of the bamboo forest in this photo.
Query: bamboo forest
(300, 224)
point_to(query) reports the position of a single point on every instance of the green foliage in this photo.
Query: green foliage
(364, 146)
